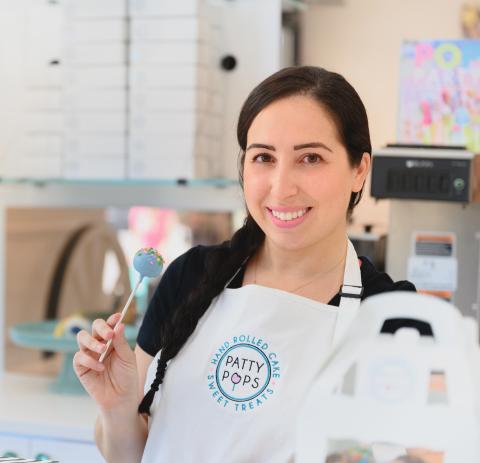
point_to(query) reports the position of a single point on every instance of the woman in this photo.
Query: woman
(244, 326)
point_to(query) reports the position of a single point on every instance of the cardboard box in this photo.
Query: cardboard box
(170, 99)
(169, 29)
(163, 168)
(175, 123)
(42, 99)
(35, 167)
(75, 99)
(95, 167)
(96, 31)
(109, 77)
(33, 156)
(42, 30)
(176, 76)
(44, 121)
(175, 53)
(96, 121)
(77, 145)
(179, 123)
(146, 8)
(45, 76)
(83, 9)
(26, 146)
(150, 145)
(75, 54)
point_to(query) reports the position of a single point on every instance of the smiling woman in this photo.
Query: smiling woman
(245, 326)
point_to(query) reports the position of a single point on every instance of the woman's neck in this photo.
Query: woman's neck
(300, 264)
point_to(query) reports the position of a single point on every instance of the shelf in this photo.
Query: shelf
(208, 195)
(40, 182)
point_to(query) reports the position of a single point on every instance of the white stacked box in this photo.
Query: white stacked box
(33, 148)
(94, 89)
(175, 97)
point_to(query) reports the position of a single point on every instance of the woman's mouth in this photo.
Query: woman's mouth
(288, 219)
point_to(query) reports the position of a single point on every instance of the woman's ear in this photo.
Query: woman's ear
(361, 171)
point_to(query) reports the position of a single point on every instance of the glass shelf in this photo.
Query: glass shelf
(184, 194)
(210, 182)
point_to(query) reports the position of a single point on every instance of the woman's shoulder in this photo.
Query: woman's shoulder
(189, 268)
(180, 277)
(192, 262)
(375, 282)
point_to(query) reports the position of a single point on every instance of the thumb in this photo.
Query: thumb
(120, 343)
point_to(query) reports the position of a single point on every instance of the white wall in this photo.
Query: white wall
(361, 39)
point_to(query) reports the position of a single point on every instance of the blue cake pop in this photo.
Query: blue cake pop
(148, 262)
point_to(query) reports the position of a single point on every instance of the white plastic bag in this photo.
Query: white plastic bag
(385, 396)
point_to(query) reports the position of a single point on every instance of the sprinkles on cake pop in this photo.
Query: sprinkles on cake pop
(148, 262)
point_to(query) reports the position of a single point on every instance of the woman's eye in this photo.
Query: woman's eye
(312, 158)
(262, 158)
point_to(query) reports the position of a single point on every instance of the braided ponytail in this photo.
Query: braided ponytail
(219, 268)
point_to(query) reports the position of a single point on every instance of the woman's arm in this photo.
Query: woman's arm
(121, 434)
(121, 437)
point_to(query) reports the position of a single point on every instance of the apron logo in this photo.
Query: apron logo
(243, 373)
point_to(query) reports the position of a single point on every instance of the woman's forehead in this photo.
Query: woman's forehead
(293, 120)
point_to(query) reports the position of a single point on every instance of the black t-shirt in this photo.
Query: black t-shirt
(186, 271)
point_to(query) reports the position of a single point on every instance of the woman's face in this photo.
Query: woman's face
(297, 175)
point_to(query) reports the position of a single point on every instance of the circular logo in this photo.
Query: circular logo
(243, 372)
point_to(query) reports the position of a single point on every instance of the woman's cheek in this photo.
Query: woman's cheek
(255, 186)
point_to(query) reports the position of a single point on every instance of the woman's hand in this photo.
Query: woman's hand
(113, 384)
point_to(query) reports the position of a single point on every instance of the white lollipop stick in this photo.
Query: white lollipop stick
(122, 315)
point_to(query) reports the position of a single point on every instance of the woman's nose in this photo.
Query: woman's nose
(284, 182)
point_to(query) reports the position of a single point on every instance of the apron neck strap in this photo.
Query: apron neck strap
(236, 272)
(350, 294)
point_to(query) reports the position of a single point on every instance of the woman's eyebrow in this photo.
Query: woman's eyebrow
(259, 145)
(296, 147)
(312, 145)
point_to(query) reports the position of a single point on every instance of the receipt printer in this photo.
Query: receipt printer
(437, 173)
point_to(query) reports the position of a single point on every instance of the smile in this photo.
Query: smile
(288, 218)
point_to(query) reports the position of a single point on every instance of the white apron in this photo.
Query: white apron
(232, 393)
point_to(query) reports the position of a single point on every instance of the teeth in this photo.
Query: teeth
(289, 215)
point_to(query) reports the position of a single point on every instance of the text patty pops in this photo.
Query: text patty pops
(243, 373)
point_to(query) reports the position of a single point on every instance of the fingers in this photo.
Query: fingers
(120, 344)
(82, 362)
(113, 319)
(93, 345)
(102, 329)
(87, 342)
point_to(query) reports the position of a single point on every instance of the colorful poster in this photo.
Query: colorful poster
(440, 93)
